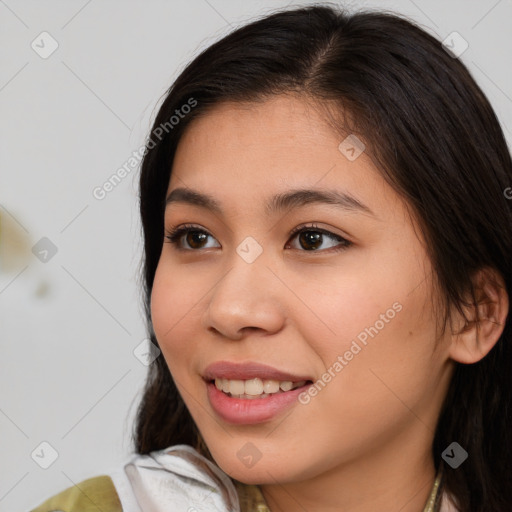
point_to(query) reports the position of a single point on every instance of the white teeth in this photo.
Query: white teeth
(286, 385)
(255, 388)
(252, 397)
(271, 386)
(236, 387)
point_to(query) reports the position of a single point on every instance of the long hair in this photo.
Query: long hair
(434, 137)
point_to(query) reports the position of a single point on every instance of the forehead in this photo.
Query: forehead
(277, 122)
(250, 151)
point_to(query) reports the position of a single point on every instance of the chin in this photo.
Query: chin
(261, 474)
(265, 470)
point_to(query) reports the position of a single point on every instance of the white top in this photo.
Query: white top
(183, 477)
(145, 484)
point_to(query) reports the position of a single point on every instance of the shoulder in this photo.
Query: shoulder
(91, 495)
(178, 474)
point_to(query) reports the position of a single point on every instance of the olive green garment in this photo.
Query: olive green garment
(96, 494)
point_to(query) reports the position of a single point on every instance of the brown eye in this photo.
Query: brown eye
(195, 238)
(311, 239)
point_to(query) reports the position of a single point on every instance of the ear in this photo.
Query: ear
(472, 340)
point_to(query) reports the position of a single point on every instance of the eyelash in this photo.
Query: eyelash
(173, 236)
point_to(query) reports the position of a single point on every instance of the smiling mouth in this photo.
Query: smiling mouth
(256, 388)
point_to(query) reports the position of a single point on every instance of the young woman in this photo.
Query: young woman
(327, 272)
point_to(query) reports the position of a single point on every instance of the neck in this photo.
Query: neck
(396, 477)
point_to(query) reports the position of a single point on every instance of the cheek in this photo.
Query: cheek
(350, 308)
(375, 337)
(174, 310)
(364, 294)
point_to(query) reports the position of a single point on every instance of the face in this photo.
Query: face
(263, 294)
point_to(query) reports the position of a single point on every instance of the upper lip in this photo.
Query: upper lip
(248, 370)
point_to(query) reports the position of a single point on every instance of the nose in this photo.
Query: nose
(247, 298)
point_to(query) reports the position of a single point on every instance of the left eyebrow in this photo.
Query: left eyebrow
(283, 201)
(302, 197)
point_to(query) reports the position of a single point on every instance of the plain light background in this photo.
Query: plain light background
(69, 326)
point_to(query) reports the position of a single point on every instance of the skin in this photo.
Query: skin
(372, 426)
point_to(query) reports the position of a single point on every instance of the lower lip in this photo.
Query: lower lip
(246, 411)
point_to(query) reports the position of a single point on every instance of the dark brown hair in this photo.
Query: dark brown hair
(435, 138)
